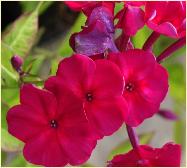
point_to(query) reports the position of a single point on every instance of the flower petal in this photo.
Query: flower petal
(25, 123)
(165, 28)
(131, 64)
(136, 3)
(103, 15)
(131, 20)
(37, 99)
(145, 156)
(45, 150)
(154, 91)
(139, 109)
(87, 7)
(160, 17)
(106, 116)
(70, 106)
(76, 72)
(169, 155)
(92, 40)
(76, 6)
(77, 142)
(108, 80)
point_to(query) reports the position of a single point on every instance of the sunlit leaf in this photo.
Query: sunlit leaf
(19, 37)
(118, 7)
(8, 78)
(140, 37)
(29, 6)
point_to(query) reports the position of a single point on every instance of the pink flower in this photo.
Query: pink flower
(136, 3)
(167, 17)
(145, 156)
(146, 84)
(54, 130)
(87, 7)
(99, 84)
(131, 18)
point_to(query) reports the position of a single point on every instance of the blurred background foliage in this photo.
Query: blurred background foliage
(39, 32)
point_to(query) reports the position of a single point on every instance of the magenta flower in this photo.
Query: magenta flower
(131, 18)
(136, 3)
(145, 156)
(54, 130)
(97, 36)
(99, 84)
(146, 84)
(167, 17)
(87, 7)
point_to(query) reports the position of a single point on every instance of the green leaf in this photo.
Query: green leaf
(10, 143)
(19, 37)
(7, 53)
(9, 79)
(29, 6)
(118, 7)
(9, 97)
(140, 37)
(126, 145)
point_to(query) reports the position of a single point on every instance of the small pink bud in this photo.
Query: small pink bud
(17, 62)
(167, 114)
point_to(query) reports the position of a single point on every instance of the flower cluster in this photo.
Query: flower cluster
(104, 84)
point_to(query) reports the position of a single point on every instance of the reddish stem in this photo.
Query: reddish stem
(172, 48)
(150, 41)
(122, 42)
(125, 40)
(132, 136)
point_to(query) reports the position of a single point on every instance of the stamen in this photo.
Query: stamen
(89, 97)
(129, 87)
(53, 124)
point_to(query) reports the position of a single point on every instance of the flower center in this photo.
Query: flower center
(53, 124)
(89, 97)
(129, 87)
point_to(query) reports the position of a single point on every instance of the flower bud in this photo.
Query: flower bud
(17, 62)
(168, 115)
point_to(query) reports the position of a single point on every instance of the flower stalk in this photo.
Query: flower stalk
(172, 48)
(150, 41)
(132, 136)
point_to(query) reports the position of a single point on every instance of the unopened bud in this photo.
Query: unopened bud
(17, 62)
(168, 115)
